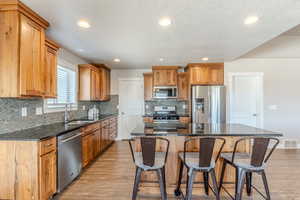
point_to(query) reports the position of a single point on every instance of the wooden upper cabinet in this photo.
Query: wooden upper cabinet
(104, 82)
(206, 73)
(50, 69)
(148, 86)
(165, 75)
(94, 83)
(89, 83)
(183, 86)
(22, 35)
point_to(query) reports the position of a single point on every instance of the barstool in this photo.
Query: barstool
(246, 164)
(148, 159)
(201, 161)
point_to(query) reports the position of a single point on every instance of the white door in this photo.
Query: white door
(131, 105)
(246, 99)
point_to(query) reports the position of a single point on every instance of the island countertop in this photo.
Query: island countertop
(194, 129)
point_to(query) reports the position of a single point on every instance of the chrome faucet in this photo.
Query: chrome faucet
(67, 115)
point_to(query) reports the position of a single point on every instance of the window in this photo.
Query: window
(66, 90)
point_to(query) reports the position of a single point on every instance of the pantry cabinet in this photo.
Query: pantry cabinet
(50, 75)
(206, 73)
(22, 35)
(164, 75)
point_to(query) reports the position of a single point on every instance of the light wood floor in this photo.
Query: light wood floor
(111, 177)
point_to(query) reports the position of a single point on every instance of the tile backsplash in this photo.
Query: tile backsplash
(181, 106)
(12, 120)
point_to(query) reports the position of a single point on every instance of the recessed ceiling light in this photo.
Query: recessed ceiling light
(251, 20)
(117, 60)
(83, 24)
(165, 21)
(161, 59)
(205, 59)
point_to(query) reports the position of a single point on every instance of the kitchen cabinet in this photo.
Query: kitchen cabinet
(206, 73)
(22, 35)
(148, 86)
(28, 169)
(89, 83)
(104, 82)
(183, 86)
(51, 49)
(48, 175)
(164, 75)
(94, 82)
(96, 138)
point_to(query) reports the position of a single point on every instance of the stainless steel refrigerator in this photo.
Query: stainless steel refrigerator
(209, 104)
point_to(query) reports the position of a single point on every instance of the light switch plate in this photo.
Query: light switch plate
(184, 106)
(39, 111)
(24, 112)
(83, 107)
(147, 106)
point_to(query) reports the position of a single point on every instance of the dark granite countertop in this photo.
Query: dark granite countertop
(47, 131)
(193, 129)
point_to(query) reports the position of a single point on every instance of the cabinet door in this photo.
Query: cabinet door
(87, 149)
(47, 175)
(170, 77)
(217, 75)
(199, 75)
(50, 73)
(183, 86)
(97, 86)
(31, 58)
(148, 86)
(93, 85)
(158, 78)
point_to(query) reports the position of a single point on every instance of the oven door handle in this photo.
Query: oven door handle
(70, 138)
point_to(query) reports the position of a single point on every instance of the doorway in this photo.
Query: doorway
(246, 98)
(131, 105)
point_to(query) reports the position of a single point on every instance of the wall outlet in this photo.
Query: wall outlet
(147, 106)
(184, 106)
(39, 111)
(83, 107)
(24, 112)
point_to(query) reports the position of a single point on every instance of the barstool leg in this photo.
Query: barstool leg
(164, 180)
(240, 178)
(215, 185)
(222, 175)
(206, 186)
(161, 184)
(177, 190)
(264, 177)
(190, 183)
(249, 182)
(136, 183)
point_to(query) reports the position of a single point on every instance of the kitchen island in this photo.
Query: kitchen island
(176, 133)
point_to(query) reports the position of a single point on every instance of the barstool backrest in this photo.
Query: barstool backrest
(207, 148)
(260, 146)
(148, 147)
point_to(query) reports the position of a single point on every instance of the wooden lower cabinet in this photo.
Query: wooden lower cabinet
(47, 175)
(28, 169)
(96, 138)
(184, 120)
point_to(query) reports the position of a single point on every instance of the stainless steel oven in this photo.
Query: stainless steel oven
(165, 92)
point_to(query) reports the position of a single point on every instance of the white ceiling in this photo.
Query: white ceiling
(129, 30)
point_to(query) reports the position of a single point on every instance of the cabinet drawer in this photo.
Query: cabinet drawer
(47, 146)
(90, 128)
(105, 122)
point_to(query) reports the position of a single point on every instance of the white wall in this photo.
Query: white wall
(124, 74)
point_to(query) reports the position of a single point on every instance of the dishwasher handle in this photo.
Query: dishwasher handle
(69, 138)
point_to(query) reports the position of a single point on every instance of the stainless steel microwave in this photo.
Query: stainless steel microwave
(165, 92)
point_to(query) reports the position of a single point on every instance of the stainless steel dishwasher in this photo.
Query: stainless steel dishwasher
(69, 158)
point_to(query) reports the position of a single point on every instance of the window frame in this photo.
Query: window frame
(61, 107)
